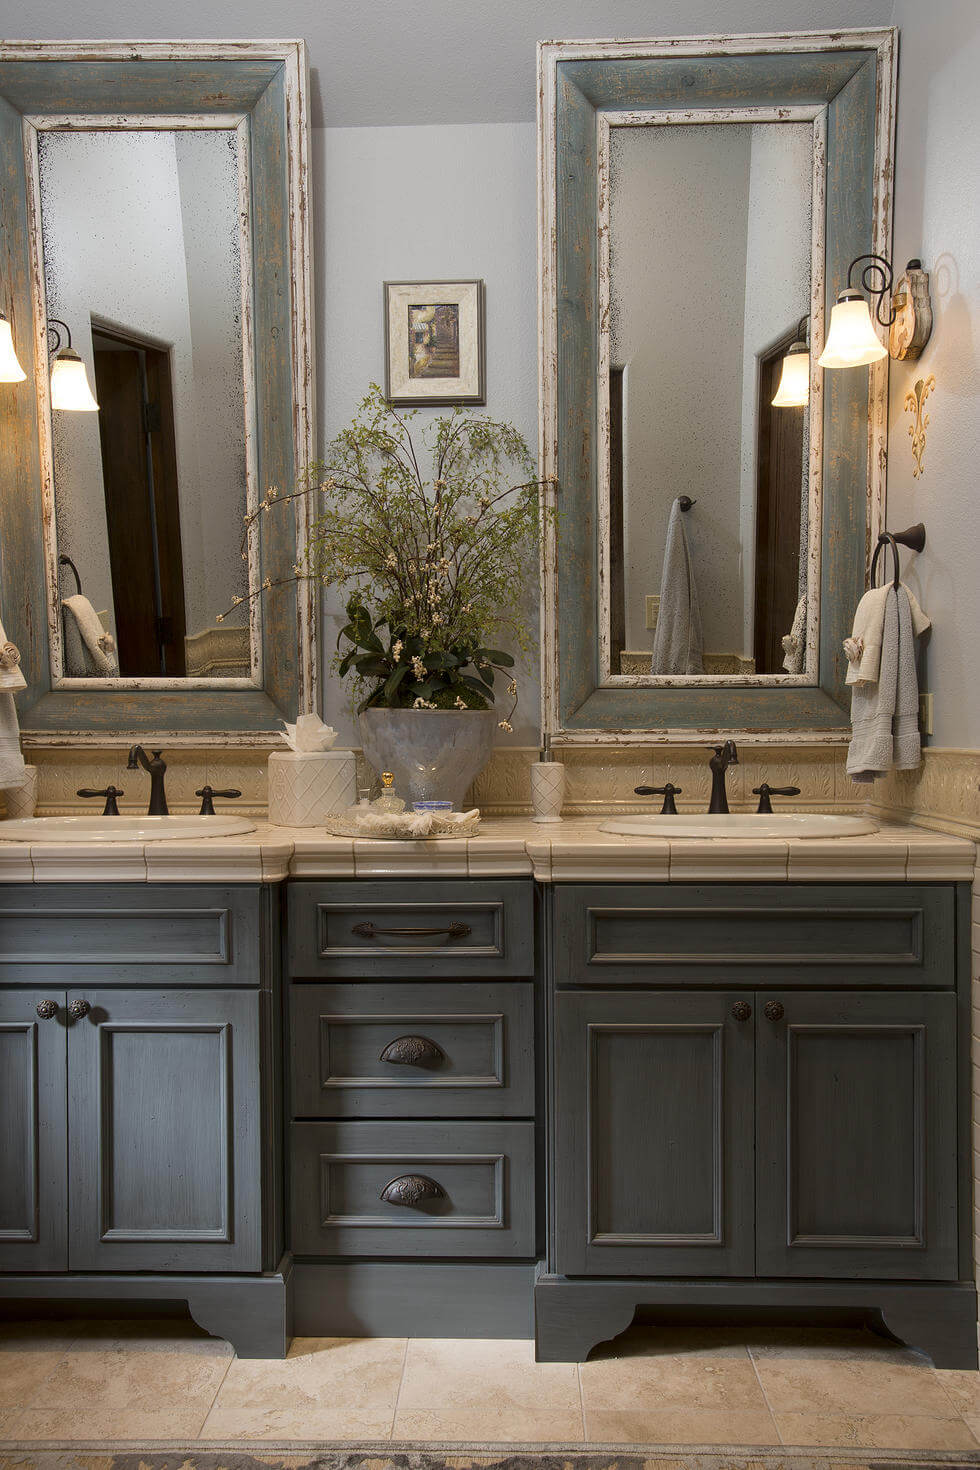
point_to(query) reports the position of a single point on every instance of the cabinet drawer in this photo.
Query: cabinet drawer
(412, 1051)
(133, 934)
(755, 934)
(416, 929)
(476, 1182)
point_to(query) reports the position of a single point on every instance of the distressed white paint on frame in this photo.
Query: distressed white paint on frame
(550, 53)
(605, 121)
(33, 126)
(294, 57)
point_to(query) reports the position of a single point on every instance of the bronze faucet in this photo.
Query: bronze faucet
(156, 769)
(725, 755)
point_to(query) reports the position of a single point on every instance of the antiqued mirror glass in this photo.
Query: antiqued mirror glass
(146, 264)
(705, 486)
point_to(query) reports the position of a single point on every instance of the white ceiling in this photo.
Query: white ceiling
(399, 62)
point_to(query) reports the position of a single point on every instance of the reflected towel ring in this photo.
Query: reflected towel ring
(914, 538)
(685, 502)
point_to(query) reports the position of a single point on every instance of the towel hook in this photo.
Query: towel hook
(66, 561)
(914, 537)
(685, 502)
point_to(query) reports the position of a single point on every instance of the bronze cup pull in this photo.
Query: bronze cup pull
(412, 1051)
(411, 1189)
(78, 1008)
(741, 1011)
(774, 1010)
(46, 1009)
(370, 931)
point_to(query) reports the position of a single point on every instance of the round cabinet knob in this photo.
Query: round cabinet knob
(774, 1010)
(741, 1010)
(78, 1008)
(46, 1009)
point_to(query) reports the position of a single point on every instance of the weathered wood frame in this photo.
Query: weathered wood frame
(849, 77)
(260, 88)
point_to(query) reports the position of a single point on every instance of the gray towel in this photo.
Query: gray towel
(885, 716)
(677, 641)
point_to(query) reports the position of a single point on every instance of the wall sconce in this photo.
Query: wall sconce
(10, 369)
(794, 381)
(69, 380)
(852, 340)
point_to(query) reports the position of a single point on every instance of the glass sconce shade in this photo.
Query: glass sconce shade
(851, 341)
(69, 384)
(10, 369)
(794, 382)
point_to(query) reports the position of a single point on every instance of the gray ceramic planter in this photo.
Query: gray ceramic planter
(434, 755)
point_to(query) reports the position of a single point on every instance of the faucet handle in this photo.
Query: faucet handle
(765, 791)
(208, 793)
(110, 793)
(668, 793)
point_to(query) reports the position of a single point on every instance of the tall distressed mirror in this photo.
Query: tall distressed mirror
(159, 239)
(700, 203)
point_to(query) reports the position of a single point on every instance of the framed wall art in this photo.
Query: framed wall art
(434, 342)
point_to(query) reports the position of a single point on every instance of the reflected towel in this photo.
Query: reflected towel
(885, 715)
(11, 760)
(677, 641)
(89, 649)
(794, 644)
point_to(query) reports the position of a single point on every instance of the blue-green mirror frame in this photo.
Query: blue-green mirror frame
(850, 73)
(266, 84)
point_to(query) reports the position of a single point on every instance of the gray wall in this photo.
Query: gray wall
(937, 217)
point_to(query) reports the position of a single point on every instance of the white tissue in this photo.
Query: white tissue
(309, 734)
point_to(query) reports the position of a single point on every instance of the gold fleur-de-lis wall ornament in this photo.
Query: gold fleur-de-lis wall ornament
(914, 403)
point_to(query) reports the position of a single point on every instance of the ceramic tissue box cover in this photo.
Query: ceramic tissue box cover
(307, 787)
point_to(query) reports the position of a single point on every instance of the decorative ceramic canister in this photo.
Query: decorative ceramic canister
(307, 787)
(22, 800)
(547, 790)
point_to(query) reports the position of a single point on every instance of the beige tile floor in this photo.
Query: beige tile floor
(167, 1381)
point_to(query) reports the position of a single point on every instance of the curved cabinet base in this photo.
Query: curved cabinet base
(253, 1313)
(573, 1316)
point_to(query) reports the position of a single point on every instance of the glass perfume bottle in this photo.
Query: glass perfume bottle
(388, 803)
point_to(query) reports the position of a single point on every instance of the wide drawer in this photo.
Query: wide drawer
(755, 934)
(452, 1189)
(412, 929)
(134, 934)
(412, 1050)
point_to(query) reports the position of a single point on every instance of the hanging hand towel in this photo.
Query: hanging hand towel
(11, 760)
(89, 649)
(677, 641)
(885, 715)
(863, 648)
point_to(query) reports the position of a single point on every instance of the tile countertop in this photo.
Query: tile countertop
(570, 851)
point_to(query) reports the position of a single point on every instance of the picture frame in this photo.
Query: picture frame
(435, 342)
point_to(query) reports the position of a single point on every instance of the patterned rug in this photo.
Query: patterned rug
(459, 1457)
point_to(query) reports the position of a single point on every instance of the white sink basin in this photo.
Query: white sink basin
(121, 829)
(742, 824)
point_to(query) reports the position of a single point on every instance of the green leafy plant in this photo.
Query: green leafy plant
(434, 543)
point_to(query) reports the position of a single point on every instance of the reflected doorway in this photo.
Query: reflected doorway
(139, 470)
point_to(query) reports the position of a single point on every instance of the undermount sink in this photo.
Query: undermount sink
(742, 824)
(121, 829)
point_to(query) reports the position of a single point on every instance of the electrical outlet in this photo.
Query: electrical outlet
(925, 714)
(653, 611)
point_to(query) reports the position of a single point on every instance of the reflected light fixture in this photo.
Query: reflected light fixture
(852, 340)
(10, 369)
(69, 380)
(794, 381)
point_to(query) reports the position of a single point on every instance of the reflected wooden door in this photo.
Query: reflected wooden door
(139, 473)
(779, 491)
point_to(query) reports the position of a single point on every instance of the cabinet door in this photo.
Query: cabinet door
(856, 1157)
(653, 1134)
(164, 1166)
(33, 1168)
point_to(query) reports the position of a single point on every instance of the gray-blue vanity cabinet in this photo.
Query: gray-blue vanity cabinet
(652, 1135)
(33, 1141)
(164, 1132)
